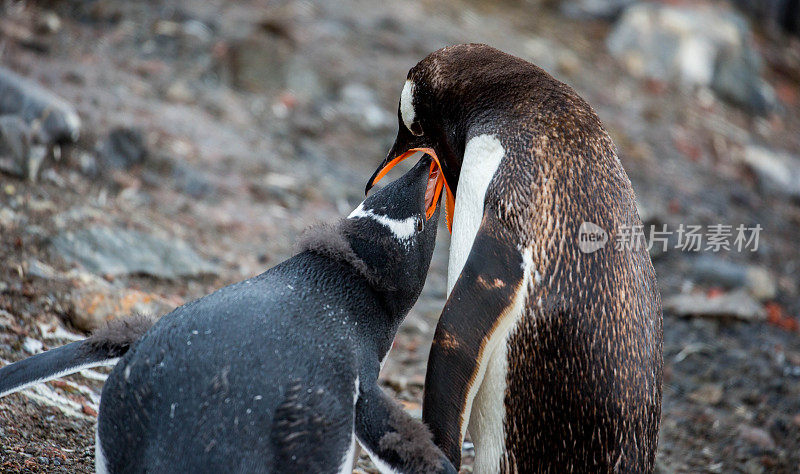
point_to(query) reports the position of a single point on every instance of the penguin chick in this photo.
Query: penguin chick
(277, 373)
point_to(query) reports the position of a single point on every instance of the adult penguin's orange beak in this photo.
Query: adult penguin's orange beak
(436, 182)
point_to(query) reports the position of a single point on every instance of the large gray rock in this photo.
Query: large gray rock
(36, 105)
(117, 251)
(694, 45)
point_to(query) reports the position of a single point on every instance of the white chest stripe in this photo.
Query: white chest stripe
(482, 156)
(402, 229)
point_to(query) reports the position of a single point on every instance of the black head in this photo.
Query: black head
(455, 93)
(392, 235)
(388, 238)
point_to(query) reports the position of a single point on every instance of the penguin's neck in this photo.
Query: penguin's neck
(482, 156)
(380, 327)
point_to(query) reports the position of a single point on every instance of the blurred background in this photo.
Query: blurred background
(153, 151)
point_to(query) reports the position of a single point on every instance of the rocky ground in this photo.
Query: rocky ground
(193, 141)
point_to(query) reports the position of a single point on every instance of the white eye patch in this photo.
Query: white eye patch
(402, 229)
(407, 112)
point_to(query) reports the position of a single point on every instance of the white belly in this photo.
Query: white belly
(100, 466)
(487, 414)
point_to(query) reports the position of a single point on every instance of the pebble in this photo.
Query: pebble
(8, 218)
(757, 436)
(714, 270)
(124, 148)
(47, 23)
(778, 172)
(707, 394)
(180, 92)
(32, 346)
(19, 155)
(736, 305)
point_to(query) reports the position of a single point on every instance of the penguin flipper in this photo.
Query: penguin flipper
(394, 440)
(104, 347)
(478, 307)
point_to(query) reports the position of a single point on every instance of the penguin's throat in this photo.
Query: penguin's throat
(436, 183)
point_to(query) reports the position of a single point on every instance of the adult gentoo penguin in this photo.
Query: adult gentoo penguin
(551, 356)
(277, 373)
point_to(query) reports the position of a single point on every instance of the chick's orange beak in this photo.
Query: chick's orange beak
(436, 183)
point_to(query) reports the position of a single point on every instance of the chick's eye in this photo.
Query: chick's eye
(420, 225)
(416, 128)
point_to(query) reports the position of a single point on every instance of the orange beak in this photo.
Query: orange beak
(436, 182)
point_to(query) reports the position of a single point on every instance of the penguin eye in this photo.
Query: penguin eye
(420, 225)
(416, 129)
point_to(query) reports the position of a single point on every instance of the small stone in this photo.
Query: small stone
(777, 171)
(88, 164)
(88, 410)
(15, 145)
(757, 436)
(707, 394)
(47, 23)
(35, 159)
(760, 283)
(713, 270)
(198, 31)
(41, 270)
(753, 466)
(737, 79)
(193, 182)
(180, 92)
(32, 346)
(734, 305)
(8, 218)
(124, 148)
